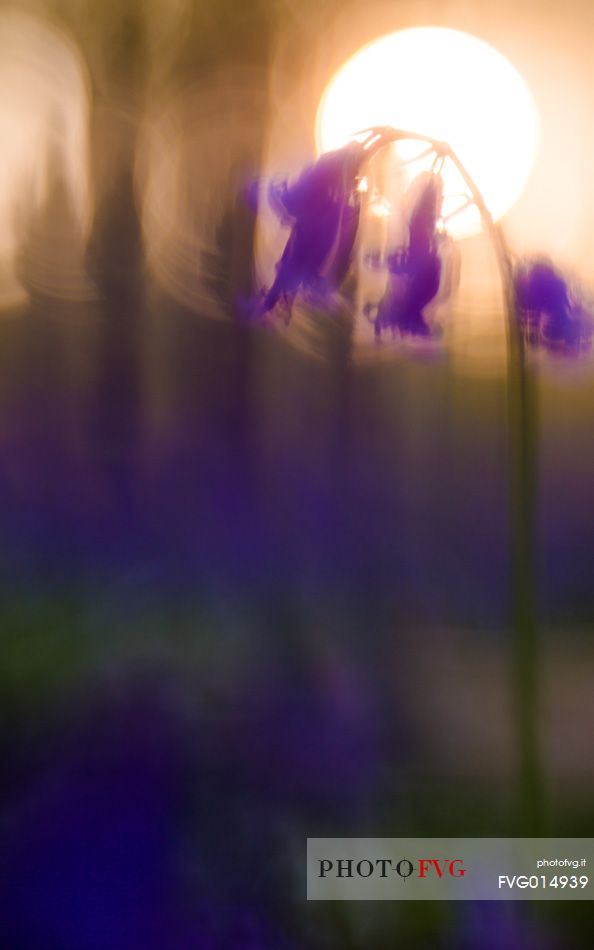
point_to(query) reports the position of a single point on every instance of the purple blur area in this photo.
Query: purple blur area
(249, 594)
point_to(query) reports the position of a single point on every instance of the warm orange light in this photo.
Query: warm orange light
(449, 86)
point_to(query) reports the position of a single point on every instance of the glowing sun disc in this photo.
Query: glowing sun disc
(449, 86)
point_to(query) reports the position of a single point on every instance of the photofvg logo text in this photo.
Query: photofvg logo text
(436, 868)
(449, 869)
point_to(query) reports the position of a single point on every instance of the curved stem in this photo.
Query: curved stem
(523, 428)
(523, 446)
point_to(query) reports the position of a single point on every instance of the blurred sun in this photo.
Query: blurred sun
(449, 86)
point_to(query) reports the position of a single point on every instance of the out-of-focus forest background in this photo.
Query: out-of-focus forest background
(253, 589)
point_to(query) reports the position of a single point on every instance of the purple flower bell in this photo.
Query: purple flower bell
(550, 315)
(415, 270)
(323, 208)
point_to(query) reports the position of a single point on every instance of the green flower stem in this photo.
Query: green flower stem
(523, 450)
(523, 446)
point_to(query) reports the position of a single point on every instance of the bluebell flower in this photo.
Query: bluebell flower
(415, 270)
(551, 315)
(322, 208)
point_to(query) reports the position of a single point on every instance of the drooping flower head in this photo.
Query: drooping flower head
(424, 196)
(415, 270)
(322, 207)
(551, 314)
